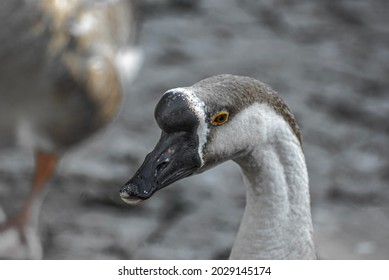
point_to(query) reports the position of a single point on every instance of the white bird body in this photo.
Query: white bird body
(258, 132)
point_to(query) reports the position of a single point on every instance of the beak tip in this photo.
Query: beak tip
(129, 193)
(132, 200)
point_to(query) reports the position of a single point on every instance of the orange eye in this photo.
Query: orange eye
(220, 118)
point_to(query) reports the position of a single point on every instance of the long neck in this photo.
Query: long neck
(277, 221)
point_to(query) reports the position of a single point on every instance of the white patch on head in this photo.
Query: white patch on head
(198, 108)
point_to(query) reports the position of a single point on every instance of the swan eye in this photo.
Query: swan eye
(220, 118)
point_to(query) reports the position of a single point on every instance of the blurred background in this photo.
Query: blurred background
(329, 60)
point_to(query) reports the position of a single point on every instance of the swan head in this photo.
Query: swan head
(215, 120)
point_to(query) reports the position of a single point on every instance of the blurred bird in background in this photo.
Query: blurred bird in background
(64, 68)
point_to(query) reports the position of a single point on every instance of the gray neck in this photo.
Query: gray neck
(277, 221)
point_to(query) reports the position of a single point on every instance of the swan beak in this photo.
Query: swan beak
(174, 157)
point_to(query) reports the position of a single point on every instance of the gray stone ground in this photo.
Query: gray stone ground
(328, 59)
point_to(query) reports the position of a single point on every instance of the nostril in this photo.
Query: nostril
(160, 167)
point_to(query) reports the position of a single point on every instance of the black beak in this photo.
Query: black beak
(174, 157)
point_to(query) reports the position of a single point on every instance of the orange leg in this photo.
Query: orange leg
(25, 222)
(45, 164)
(45, 167)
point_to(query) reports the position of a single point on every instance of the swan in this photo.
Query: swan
(227, 117)
(64, 66)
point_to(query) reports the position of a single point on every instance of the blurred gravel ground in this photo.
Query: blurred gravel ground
(328, 59)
